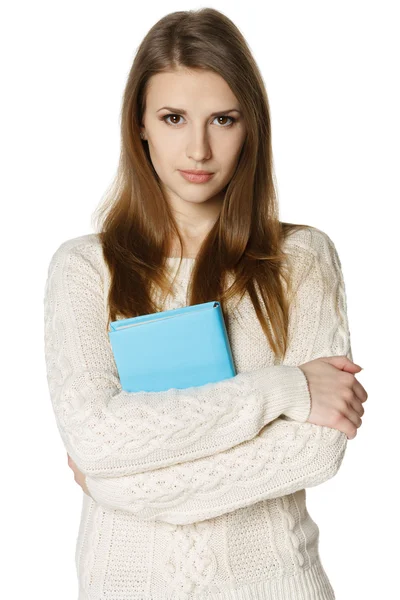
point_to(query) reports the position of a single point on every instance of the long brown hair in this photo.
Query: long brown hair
(135, 223)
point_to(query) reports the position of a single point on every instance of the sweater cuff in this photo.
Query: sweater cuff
(288, 388)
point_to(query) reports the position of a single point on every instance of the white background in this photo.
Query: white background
(331, 71)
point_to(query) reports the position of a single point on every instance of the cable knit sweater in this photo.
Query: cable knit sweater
(197, 492)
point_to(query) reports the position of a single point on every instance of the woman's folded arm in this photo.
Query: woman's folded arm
(284, 457)
(111, 433)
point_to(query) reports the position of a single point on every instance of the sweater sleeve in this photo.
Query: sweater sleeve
(285, 456)
(109, 432)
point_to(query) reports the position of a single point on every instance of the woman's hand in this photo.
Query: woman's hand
(79, 477)
(336, 396)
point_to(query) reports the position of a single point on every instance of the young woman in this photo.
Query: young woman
(200, 492)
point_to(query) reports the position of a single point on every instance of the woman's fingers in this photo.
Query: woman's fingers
(359, 391)
(355, 408)
(360, 397)
(354, 416)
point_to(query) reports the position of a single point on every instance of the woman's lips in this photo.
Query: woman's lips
(192, 177)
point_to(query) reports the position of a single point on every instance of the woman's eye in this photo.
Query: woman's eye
(168, 116)
(232, 119)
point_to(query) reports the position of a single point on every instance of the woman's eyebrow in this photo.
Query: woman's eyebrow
(184, 112)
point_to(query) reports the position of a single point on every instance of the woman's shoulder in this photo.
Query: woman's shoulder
(310, 250)
(309, 241)
(308, 237)
(77, 251)
(89, 240)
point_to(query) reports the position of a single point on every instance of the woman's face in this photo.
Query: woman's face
(196, 139)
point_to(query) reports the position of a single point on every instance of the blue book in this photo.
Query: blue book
(178, 348)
